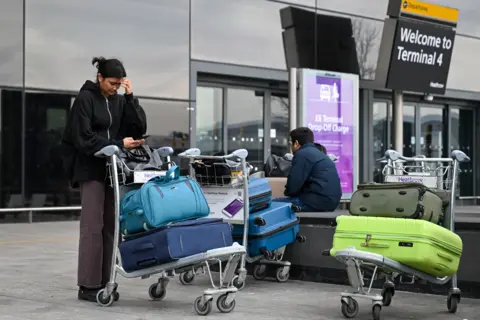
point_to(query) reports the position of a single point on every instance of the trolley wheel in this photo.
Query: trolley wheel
(222, 304)
(387, 296)
(280, 276)
(350, 311)
(152, 292)
(202, 310)
(376, 309)
(237, 284)
(186, 277)
(452, 303)
(116, 295)
(105, 302)
(260, 272)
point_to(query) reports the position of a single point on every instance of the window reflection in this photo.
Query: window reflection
(461, 138)
(279, 133)
(11, 38)
(168, 125)
(245, 123)
(409, 137)
(11, 149)
(431, 132)
(209, 113)
(46, 183)
(380, 138)
(150, 37)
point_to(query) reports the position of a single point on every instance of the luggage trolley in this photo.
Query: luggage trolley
(226, 173)
(438, 173)
(157, 291)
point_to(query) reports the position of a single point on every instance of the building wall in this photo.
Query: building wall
(46, 48)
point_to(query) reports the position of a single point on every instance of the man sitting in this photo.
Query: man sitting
(313, 183)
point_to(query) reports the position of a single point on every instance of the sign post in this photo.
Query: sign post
(415, 53)
(328, 105)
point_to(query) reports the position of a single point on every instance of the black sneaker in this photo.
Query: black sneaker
(91, 294)
(88, 294)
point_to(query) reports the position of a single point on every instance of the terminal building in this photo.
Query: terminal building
(211, 74)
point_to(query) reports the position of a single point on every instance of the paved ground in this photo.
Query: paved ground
(38, 271)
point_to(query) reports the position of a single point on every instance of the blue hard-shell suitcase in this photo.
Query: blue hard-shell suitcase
(269, 229)
(260, 194)
(176, 241)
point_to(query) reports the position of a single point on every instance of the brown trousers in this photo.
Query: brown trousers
(97, 227)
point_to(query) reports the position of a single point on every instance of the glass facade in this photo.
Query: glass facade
(158, 43)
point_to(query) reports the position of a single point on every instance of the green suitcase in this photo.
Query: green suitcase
(419, 244)
(398, 200)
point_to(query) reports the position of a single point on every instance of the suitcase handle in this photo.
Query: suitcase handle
(375, 245)
(144, 247)
(146, 263)
(444, 256)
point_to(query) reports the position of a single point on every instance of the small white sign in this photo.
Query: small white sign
(225, 203)
(146, 175)
(429, 182)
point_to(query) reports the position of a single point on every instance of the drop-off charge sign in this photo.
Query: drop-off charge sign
(420, 58)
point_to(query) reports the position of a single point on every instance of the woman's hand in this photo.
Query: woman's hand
(127, 84)
(130, 143)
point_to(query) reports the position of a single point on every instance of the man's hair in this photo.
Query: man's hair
(303, 135)
(321, 147)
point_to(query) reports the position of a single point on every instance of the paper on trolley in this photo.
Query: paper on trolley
(225, 203)
(145, 175)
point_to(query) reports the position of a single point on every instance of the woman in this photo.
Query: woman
(99, 117)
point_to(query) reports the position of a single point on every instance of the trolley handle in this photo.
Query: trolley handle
(108, 152)
(456, 155)
(195, 153)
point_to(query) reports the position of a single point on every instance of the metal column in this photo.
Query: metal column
(397, 121)
(292, 97)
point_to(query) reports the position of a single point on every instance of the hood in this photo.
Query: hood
(90, 86)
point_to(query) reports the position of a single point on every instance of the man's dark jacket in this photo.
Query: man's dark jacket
(314, 179)
(93, 123)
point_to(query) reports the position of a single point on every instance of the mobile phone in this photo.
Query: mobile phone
(145, 136)
(233, 208)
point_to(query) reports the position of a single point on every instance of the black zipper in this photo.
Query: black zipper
(268, 234)
(262, 195)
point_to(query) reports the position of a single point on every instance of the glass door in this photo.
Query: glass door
(432, 137)
(245, 113)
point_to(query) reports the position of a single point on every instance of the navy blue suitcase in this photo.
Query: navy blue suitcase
(173, 242)
(260, 194)
(269, 229)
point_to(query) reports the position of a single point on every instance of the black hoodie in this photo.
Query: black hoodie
(93, 123)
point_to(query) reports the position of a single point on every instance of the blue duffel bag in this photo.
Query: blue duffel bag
(160, 201)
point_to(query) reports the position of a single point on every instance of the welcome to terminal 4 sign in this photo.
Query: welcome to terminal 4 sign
(415, 53)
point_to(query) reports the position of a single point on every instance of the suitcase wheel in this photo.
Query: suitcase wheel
(259, 221)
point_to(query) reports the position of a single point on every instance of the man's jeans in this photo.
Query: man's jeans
(296, 202)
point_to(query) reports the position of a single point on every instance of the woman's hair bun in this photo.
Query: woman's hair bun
(96, 61)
